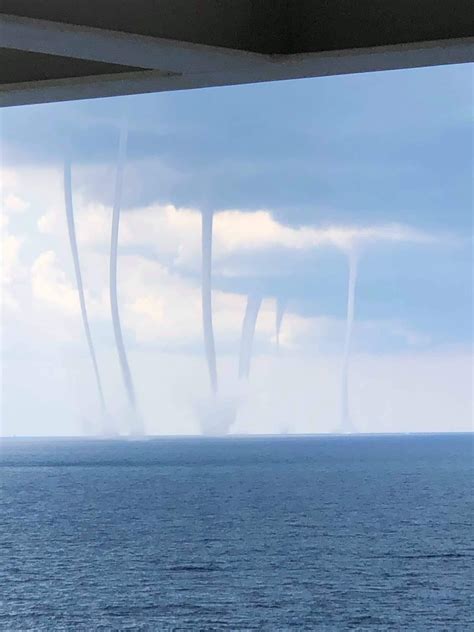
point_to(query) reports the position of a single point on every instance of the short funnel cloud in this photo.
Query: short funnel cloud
(347, 426)
(254, 302)
(281, 305)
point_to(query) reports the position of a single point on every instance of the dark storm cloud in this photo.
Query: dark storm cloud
(311, 150)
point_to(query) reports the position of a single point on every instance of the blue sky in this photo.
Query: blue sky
(353, 151)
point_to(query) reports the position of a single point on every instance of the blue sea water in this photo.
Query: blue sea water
(297, 533)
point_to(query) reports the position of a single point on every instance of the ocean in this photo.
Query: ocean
(284, 533)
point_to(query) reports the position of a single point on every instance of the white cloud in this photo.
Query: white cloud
(11, 269)
(33, 188)
(161, 307)
(164, 307)
(175, 233)
(12, 203)
(235, 230)
(8, 180)
(49, 284)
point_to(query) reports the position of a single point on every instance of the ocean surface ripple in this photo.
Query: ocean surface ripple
(296, 533)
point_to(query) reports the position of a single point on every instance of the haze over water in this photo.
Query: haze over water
(305, 533)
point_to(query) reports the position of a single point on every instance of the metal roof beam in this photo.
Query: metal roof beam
(140, 51)
(281, 67)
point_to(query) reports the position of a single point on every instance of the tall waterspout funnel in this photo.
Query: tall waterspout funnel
(136, 426)
(206, 296)
(346, 422)
(217, 414)
(254, 302)
(105, 423)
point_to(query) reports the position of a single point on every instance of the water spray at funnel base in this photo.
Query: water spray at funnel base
(254, 302)
(136, 425)
(106, 426)
(347, 426)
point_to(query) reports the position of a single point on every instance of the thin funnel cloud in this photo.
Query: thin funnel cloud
(254, 302)
(346, 422)
(206, 297)
(352, 242)
(279, 314)
(80, 287)
(122, 354)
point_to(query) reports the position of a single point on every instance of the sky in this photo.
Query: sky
(300, 176)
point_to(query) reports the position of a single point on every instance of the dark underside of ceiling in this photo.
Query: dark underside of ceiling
(265, 26)
(41, 59)
(18, 66)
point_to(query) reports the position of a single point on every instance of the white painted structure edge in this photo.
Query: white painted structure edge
(176, 65)
(113, 47)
